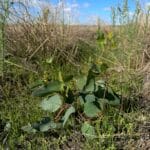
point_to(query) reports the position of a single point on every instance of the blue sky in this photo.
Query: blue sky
(91, 9)
(86, 11)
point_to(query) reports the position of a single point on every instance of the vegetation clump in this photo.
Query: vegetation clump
(81, 95)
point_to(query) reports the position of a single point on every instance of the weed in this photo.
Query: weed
(71, 95)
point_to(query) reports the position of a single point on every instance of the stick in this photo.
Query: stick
(18, 66)
(37, 49)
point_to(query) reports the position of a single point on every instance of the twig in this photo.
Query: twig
(37, 49)
(19, 66)
(119, 135)
(61, 111)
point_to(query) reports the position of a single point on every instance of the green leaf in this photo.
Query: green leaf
(46, 126)
(101, 83)
(93, 71)
(42, 125)
(90, 98)
(52, 104)
(112, 97)
(28, 128)
(81, 82)
(49, 60)
(100, 36)
(46, 123)
(116, 100)
(107, 94)
(54, 86)
(67, 114)
(100, 92)
(88, 130)
(90, 109)
(90, 87)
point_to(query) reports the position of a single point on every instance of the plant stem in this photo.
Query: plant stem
(3, 17)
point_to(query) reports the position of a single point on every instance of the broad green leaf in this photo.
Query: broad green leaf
(112, 97)
(43, 122)
(46, 126)
(52, 103)
(90, 109)
(28, 128)
(54, 86)
(100, 92)
(88, 130)
(67, 114)
(90, 86)
(90, 98)
(81, 82)
(101, 83)
(93, 71)
(115, 102)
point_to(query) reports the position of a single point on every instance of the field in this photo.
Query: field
(73, 87)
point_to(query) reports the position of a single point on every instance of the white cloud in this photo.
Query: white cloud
(68, 8)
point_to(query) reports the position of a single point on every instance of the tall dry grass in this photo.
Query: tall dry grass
(48, 35)
(130, 57)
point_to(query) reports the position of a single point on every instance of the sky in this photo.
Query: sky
(86, 11)
(91, 9)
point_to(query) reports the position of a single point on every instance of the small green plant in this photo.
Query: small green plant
(84, 96)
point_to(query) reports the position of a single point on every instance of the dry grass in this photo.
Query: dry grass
(48, 35)
(31, 40)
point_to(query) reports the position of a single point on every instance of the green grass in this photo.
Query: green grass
(24, 109)
(20, 108)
